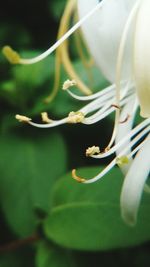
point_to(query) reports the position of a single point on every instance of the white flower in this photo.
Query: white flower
(116, 33)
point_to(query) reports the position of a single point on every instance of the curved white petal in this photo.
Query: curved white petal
(142, 57)
(134, 183)
(103, 33)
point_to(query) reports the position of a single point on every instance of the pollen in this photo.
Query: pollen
(45, 118)
(123, 160)
(21, 118)
(11, 55)
(68, 83)
(90, 151)
(75, 117)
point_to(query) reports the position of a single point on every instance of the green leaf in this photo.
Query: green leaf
(56, 8)
(29, 168)
(23, 258)
(50, 255)
(87, 217)
(30, 76)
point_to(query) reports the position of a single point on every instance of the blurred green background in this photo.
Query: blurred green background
(73, 225)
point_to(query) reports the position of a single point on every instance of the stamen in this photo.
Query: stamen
(67, 84)
(63, 38)
(62, 55)
(131, 134)
(114, 161)
(78, 41)
(75, 117)
(139, 146)
(11, 55)
(92, 150)
(93, 96)
(45, 118)
(21, 118)
(119, 66)
(77, 178)
(103, 112)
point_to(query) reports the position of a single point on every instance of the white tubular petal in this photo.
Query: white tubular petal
(103, 33)
(134, 183)
(125, 128)
(142, 57)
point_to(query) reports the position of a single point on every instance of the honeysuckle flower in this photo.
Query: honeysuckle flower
(117, 38)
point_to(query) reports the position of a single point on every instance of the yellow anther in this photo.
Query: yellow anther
(21, 118)
(68, 83)
(75, 117)
(90, 151)
(123, 160)
(45, 118)
(77, 178)
(11, 55)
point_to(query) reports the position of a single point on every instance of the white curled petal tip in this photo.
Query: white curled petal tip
(134, 184)
(141, 59)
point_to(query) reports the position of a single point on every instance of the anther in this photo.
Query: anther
(11, 55)
(90, 151)
(77, 178)
(45, 118)
(21, 118)
(75, 117)
(68, 83)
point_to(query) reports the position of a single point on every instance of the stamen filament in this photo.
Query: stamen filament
(49, 125)
(114, 161)
(119, 66)
(127, 137)
(62, 39)
(104, 112)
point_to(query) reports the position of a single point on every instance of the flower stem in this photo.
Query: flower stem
(16, 244)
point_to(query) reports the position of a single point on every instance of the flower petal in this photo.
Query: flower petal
(103, 33)
(134, 183)
(142, 57)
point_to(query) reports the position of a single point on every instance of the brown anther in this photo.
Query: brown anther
(77, 178)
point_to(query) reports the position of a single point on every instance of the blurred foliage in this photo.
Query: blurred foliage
(75, 223)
